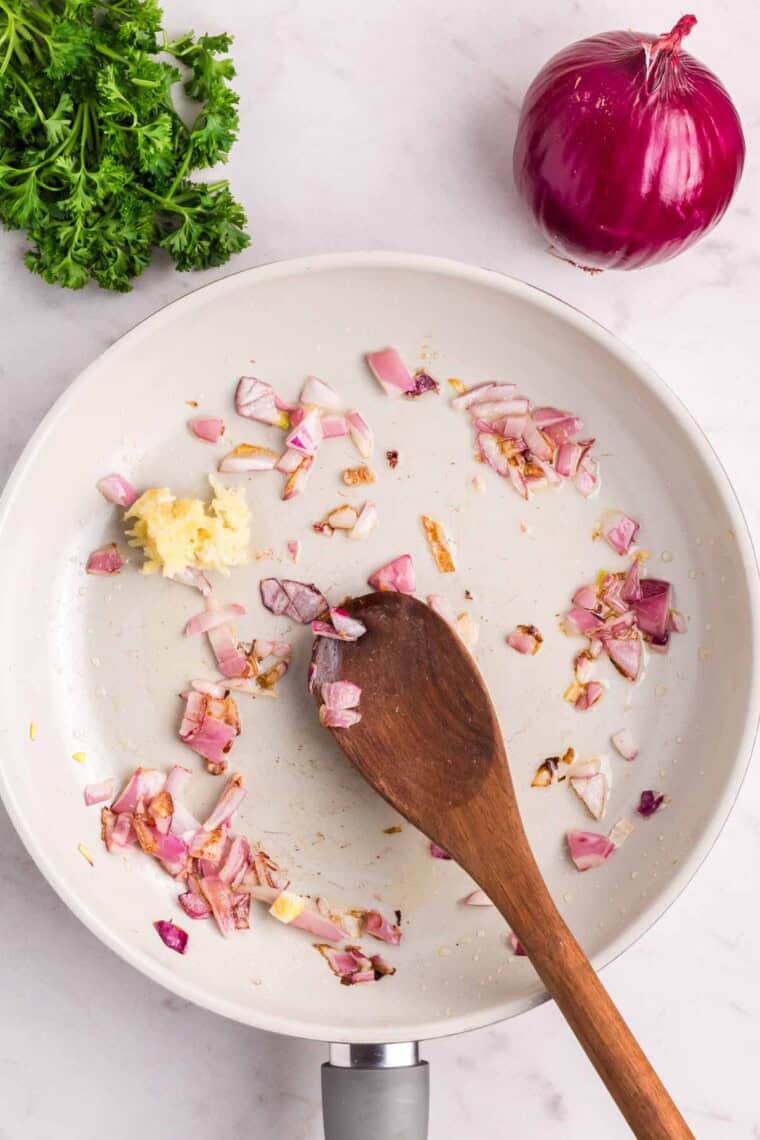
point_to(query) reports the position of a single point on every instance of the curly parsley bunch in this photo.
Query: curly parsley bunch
(95, 160)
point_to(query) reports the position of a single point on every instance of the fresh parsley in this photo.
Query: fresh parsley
(95, 160)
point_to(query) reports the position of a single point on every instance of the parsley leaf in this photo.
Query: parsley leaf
(96, 161)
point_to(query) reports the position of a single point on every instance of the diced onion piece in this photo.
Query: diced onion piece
(194, 905)
(319, 392)
(397, 575)
(365, 523)
(592, 791)
(389, 370)
(620, 531)
(307, 436)
(208, 428)
(334, 427)
(256, 400)
(588, 849)
(105, 561)
(293, 547)
(295, 483)
(361, 433)
(477, 898)
(357, 476)
(349, 628)
(481, 393)
(289, 461)
(621, 831)
(227, 804)
(248, 457)
(651, 802)
(591, 693)
(342, 518)
(422, 383)
(231, 662)
(118, 490)
(438, 852)
(525, 639)
(623, 743)
(376, 925)
(440, 545)
(299, 601)
(625, 654)
(172, 936)
(341, 694)
(338, 718)
(210, 619)
(99, 793)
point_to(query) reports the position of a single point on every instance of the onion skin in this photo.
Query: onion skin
(628, 149)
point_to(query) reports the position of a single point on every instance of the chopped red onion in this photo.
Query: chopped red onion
(293, 547)
(210, 619)
(338, 718)
(212, 736)
(296, 600)
(481, 393)
(365, 523)
(141, 787)
(588, 849)
(118, 490)
(625, 654)
(289, 461)
(318, 925)
(621, 831)
(593, 791)
(382, 928)
(592, 692)
(210, 688)
(248, 457)
(517, 946)
(295, 483)
(172, 936)
(307, 436)
(99, 793)
(567, 458)
(194, 905)
(651, 802)
(397, 575)
(105, 561)
(319, 392)
(438, 852)
(620, 531)
(227, 804)
(256, 400)
(195, 578)
(390, 371)
(219, 897)
(622, 742)
(208, 428)
(361, 433)
(477, 898)
(231, 662)
(587, 476)
(653, 607)
(422, 383)
(334, 427)
(525, 639)
(341, 694)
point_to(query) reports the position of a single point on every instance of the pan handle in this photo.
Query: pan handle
(376, 1092)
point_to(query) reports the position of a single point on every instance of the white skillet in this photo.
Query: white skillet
(97, 663)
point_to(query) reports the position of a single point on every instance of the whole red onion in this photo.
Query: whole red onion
(628, 149)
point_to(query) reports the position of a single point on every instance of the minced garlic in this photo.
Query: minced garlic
(178, 533)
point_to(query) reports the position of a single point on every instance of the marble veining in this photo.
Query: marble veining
(390, 126)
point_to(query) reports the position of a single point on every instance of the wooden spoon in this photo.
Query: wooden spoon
(429, 742)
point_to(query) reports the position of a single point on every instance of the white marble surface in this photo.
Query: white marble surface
(390, 126)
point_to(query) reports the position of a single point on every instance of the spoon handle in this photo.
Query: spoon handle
(588, 1008)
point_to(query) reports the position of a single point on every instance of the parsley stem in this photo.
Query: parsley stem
(11, 34)
(25, 86)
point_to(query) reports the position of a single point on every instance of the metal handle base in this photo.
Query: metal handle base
(375, 1092)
